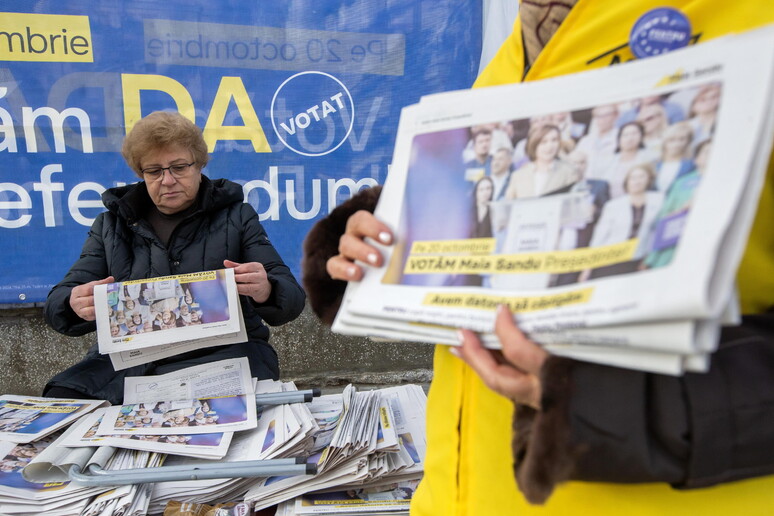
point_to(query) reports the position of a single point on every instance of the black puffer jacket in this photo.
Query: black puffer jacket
(123, 245)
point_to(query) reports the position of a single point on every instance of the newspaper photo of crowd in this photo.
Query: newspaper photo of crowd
(152, 306)
(633, 168)
(198, 439)
(165, 414)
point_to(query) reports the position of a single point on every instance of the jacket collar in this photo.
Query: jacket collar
(130, 202)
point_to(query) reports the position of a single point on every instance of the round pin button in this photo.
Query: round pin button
(659, 31)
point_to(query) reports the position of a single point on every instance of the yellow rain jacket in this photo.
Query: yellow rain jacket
(469, 463)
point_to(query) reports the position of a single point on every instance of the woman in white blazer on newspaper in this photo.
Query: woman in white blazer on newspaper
(626, 217)
(546, 172)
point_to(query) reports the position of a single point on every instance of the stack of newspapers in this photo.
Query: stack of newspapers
(371, 441)
(357, 439)
(130, 499)
(393, 499)
(609, 210)
(203, 417)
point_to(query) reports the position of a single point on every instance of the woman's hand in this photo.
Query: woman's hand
(514, 371)
(352, 246)
(82, 298)
(251, 280)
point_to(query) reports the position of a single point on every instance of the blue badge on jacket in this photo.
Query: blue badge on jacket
(659, 31)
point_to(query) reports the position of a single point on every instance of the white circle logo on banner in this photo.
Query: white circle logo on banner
(312, 113)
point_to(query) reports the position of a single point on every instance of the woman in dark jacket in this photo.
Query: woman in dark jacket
(481, 219)
(176, 221)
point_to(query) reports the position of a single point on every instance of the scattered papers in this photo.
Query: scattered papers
(367, 444)
(583, 279)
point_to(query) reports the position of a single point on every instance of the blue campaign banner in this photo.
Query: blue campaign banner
(299, 102)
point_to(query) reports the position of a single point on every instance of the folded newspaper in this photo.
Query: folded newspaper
(25, 419)
(619, 247)
(144, 320)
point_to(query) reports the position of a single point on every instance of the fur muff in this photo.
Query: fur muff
(543, 454)
(322, 243)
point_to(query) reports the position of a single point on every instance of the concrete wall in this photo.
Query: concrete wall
(310, 354)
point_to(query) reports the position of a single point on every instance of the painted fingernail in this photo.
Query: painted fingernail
(352, 271)
(385, 237)
(460, 336)
(454, 351)
(372, 258)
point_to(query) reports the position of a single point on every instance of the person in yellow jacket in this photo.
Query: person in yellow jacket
(587, 438)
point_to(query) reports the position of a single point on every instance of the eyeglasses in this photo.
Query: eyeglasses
(178, 171)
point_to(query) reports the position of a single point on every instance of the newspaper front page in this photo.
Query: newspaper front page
(148, 313)
(25, 419)
(205, 399)
(583, 234)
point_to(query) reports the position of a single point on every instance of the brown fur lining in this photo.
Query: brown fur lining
(543, 453)
(323, 292)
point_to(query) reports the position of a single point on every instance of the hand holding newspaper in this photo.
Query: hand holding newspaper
(589, 243)
(143, 320)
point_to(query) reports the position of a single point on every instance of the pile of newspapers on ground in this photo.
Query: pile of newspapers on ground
(76, 457)
(625, 257)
